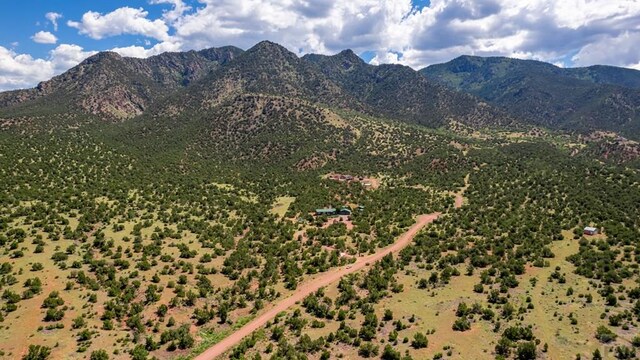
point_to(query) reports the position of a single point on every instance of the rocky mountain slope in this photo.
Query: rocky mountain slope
(399, 91)
(113, 87)
(580, 99)
(473, 91)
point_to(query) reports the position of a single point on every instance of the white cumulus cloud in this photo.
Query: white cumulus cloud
(142, 52)
(621, 50)
(394, 30)
(53, 18)
(301, 25)
(66, 56)
(22, 70)
(568, 33)
(44, 37)
(179, 8)
(123, 20)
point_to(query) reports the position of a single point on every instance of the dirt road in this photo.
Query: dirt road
(459, 201)
(460, 194)
(305, 289)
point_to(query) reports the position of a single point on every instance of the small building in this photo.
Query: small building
(326, 211)
(345, 211)
(590, 230)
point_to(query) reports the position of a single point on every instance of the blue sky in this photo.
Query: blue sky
(411, 32)
(31, 19)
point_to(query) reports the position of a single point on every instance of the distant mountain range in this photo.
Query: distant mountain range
(470, 90)
(114, 87)
(578, 99)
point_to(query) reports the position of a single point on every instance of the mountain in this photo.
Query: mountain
(602, 74)
(267, 68)
(173, 197)
(398, 91)
(108, 84)
(342, 81)
(581, 99)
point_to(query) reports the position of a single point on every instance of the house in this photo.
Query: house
(345, 211)
(590, 230)
(326, 211)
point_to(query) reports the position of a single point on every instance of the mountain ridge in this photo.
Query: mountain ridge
(120, 87)
(577, 99)
(392, 90)
(601, 74)
(475, 91)
(109, 86)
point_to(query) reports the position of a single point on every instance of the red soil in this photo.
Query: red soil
(325, 279)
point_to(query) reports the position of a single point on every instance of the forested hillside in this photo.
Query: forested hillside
(246, 176)
(114, 88)
(579, 99)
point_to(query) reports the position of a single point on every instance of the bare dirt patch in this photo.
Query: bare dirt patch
(341, 219)
(368, 182)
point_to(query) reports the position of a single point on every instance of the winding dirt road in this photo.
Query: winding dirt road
(305, 289)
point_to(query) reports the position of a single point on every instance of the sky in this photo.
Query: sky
(43, 38)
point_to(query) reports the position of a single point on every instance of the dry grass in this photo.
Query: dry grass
(281, 205)
(435, 309)
(549, 298)
(20, 328)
